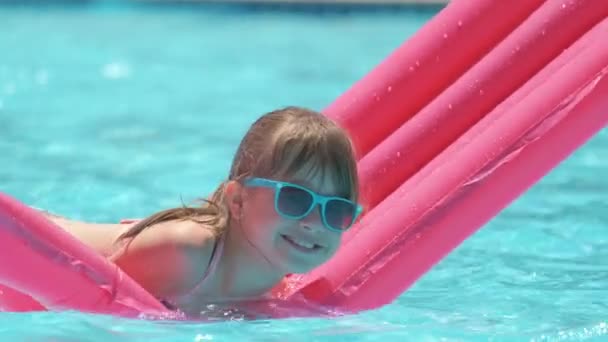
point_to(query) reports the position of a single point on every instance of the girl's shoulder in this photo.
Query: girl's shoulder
(168, 258)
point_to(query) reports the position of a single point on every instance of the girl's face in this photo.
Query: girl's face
(293, 246)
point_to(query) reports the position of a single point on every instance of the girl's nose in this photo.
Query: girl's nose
(313, 221)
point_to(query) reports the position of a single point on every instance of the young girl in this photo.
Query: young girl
(291, 192)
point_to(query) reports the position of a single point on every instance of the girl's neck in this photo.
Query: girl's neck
(243, 272)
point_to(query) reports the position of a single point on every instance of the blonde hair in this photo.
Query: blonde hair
(278, 144)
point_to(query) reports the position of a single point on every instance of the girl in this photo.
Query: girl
(291, 192)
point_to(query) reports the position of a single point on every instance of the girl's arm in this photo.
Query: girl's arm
(98, 236)
(166, 259)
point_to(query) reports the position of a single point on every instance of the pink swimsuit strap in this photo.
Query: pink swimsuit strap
(218, 250)
(183, 299)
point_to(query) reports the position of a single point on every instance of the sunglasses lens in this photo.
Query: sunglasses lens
(293, 201)
(339, 214)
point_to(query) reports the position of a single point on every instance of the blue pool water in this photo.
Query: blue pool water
(111, 111)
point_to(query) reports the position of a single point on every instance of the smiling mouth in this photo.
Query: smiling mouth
(302, 246)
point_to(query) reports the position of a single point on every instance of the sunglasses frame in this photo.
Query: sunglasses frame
(317, 200)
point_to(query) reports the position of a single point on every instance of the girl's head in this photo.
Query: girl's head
(291, 190)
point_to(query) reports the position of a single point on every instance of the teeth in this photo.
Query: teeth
(303, 244)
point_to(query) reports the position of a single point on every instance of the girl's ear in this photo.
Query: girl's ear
(234, 197)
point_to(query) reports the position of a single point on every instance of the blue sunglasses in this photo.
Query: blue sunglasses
(295, 202)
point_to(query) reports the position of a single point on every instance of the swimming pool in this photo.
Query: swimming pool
(112, 111)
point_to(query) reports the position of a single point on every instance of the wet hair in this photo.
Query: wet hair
(279, 144)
